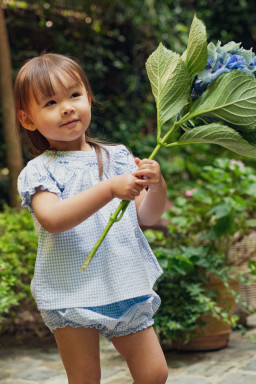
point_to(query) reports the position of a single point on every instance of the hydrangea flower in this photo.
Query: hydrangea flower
(223, 59)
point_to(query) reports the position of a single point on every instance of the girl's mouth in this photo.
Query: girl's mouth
(69, 122)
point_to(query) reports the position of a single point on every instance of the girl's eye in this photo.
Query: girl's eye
(75, 94)
(50, 102)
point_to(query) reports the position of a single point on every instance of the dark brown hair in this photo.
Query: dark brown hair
(34, 77)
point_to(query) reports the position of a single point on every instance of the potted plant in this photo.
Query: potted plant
(204, 222)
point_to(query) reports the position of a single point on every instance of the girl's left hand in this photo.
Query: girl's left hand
(148, 173)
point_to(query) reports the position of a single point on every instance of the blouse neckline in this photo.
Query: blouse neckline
(50, 152)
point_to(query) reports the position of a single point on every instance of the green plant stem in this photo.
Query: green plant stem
(113, 219)
(124, 204)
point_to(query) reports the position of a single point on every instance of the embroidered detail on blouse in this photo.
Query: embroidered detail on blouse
(91, 164)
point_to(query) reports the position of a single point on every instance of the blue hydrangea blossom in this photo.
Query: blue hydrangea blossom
(223, 59)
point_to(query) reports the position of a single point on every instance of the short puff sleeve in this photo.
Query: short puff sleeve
(35, 176)
(124, 162)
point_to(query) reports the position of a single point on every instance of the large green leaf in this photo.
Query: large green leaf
(169, 80)
(249, 136)
(196, 53)
(231, 98)
(219, 134)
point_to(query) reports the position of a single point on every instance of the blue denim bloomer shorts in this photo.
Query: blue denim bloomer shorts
(117, 319)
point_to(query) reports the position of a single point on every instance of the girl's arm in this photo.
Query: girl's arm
(150, 204)
(57, 215)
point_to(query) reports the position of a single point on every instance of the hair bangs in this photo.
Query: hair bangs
(40, 75)
(42, 83)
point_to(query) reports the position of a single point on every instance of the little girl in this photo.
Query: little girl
(71, 188)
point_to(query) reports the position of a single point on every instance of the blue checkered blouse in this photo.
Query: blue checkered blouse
(123, 267)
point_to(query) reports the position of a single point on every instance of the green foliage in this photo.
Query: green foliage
(18, 244)
(219, 134)
(183, 291)
(218, 204)
(228, 99)
(112, 40)
(169, 81)
(196, 54)
(205, 216)
(231, 97)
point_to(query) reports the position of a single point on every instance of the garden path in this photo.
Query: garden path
(33, 364)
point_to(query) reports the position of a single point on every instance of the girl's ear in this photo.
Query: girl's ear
(89, 99)
(25, 120)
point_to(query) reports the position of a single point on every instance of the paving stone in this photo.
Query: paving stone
(37, 375)
(57, 380)
(4, 374)
(16, 365)
(47, 356)
(42, 365)
(11, 381)
(239, 378)
(122, 377)
(179, 360)
(251, 366)
(228, 354)
(244, 345)
(106, 372)
(209, 369)
(217, 370)
(187, 380)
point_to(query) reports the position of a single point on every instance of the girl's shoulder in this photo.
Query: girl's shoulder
(121, 159)
(35, 164)
(118, 150)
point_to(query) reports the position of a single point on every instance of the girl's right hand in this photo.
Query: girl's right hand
(124, 187)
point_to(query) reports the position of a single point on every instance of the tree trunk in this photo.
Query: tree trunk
(13, 145)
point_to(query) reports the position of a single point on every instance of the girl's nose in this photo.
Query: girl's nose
(67, 109)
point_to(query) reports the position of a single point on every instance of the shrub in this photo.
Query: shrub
(206, 218)
(18, 243)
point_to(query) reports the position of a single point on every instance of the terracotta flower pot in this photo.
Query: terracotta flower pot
(215, 335)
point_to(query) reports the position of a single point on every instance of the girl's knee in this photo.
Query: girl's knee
(163, 376)
(159, 375)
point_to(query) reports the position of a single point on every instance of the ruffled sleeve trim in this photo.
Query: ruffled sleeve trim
(33, 177)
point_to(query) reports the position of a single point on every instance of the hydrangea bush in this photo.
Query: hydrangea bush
(207, 95)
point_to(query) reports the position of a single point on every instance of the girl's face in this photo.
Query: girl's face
(62, 118)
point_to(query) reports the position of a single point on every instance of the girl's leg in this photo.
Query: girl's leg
(144, 356)
(80, 353)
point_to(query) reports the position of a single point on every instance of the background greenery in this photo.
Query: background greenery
(205, 216)
(18, 242)
(112, 40)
